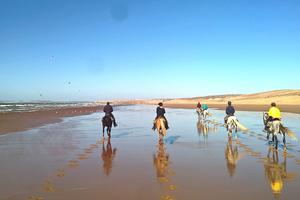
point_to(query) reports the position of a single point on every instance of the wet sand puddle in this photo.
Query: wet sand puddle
(189, 163)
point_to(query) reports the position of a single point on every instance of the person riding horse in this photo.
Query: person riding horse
(199, 106)
(273, 115)
(229, 111)
(108, 109)
(160, 113)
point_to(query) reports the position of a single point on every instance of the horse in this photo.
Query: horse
(231, 125)
(160, 126)
(199, 111)
(106, 122)
(275, 128)
(202, 113)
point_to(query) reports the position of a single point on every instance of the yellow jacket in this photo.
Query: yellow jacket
(274, 112)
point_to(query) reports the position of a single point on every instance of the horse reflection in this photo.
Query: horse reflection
(276, 172)
(161, 161)
(108, 154)
(232, 156)
(162, 164)
(205, 128)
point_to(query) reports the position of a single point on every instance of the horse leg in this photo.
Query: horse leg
(284, 142)
(276, 142)
(103, 130)
(229, 134)
(108, 131)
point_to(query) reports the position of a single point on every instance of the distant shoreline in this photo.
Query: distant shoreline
(20, 121)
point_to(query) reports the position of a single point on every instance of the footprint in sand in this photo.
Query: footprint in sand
(82, 156)
(166, 197)
(93, 145)
(73, 163)
(60, 173)
(172, 187)
(49, 187)
(256, 154)
(163, 179)
(88, 150)
(35, 198)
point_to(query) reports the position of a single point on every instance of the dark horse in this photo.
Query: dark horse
(106, 122)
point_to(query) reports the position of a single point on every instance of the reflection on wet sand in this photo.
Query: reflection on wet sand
(232, 156)
(161, 161)
(108, 154)
(204, 128)
(276, 172)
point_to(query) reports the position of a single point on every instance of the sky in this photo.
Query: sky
(90, 50)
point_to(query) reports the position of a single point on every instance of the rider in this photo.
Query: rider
(229, 111)
(160, 112)
(274, 114)
(204, 107)
(199, 105)
(108, 112)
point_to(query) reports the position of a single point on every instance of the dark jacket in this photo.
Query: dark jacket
(160, 112)
(230, 110)
(108, 109)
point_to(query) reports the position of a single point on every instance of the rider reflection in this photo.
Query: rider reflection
(161, 161)
(232, 156)
(108, 154)
(276, 172)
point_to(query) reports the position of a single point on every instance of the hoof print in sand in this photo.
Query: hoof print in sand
(167, 197)
(73, 163)
(49, 187)
(82, 156)
(172, 187)
(35, 198)
(60, 173)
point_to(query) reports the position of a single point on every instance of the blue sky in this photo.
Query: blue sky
(89, 50)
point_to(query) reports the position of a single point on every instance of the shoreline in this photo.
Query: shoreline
(20, 121)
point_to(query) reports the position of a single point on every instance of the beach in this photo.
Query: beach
(69, 160)
(19, 121)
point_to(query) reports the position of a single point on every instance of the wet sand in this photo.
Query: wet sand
(196, 160)
(19, 121)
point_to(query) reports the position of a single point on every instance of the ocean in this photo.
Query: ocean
(34, 106)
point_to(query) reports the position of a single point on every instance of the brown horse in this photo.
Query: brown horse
(160, 126)
(106, 122)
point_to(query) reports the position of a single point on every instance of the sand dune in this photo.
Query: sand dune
(287, 100)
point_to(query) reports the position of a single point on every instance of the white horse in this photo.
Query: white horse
(203, 114)
(231, 125)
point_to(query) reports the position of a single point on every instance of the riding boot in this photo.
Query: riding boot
(166, 124)
(154, 127)
(115, 124)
